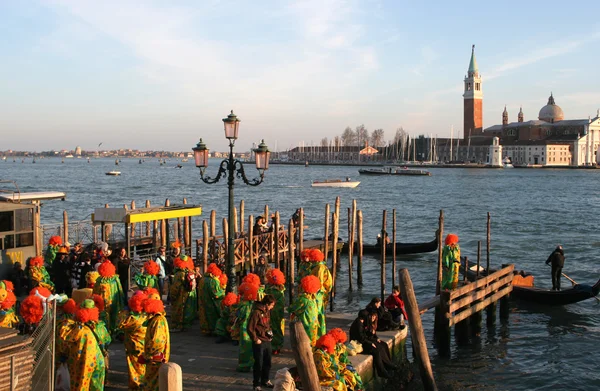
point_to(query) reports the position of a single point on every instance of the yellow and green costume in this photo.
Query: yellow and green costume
(143, 281)
(277, 315)
(245, 358)
(185, 302)
(39, 277)
(133, 325)
(351, 377)
(157, 349)
(450, 266)
(328, 371)
(210, 295)
(109, 288)
(304, 309)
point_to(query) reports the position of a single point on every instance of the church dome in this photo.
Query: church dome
(551, 112)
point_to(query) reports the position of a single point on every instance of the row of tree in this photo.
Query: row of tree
(360, 136)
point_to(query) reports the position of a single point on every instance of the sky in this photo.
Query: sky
(161, 74)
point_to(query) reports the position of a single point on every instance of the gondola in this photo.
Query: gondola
(524, 289)
(401, 248)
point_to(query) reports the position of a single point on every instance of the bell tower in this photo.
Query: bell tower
(505, 116)
(473, 100)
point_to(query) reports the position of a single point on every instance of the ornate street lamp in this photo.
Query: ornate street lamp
(229, 167)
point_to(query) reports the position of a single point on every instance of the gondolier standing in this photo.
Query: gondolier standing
(557, 260)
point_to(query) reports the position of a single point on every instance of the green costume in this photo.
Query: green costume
(450, 266)
(328, 370)
(133, 325)
(157, 349)
(222, 329)
(321, 271)
(185, 302)
(144, 281)
(277, 315)
(304, 309)
(50, 254)
(351, 376)
(211, 294)
(109, 288)
(245, 358)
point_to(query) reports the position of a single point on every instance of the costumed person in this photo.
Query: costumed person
(53, 244)
(109, 288)
(39, 275)
(157, 342)
(210, 296)
(254, 279)
(223, 327)
(321, 271)
(91, 278)
(304, 307)
(8, 316)
(450, 262)
(557, 261)
(276, 288)
(327, 369)
(183, 294)
(132, 323)
(65, 319)
(33, 307)
(147, 278)
(83, 349)
(346, 369)
(248, 295)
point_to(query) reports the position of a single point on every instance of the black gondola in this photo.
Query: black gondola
(401, 248)
(528, 292)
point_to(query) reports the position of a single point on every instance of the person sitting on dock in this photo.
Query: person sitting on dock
(325, 362)
(557, 260)
(346, 369)
(450, 262)
(363, 330)
(395, 305)
(385, 320)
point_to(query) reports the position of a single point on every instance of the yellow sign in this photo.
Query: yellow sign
(163, 215)
(16, 256)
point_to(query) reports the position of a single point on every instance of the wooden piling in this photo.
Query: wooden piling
(326, 233)
(213, 223)
(251, 242)
(65, 227)
(301, 232)
(334, 255)
(132, 232)
(504, 305)
(107, 229)
(393, 248)
(205, 239)
(148, 222)
(359, 258)
(442, 325)
(266, 213)
(303, 356)
(276, 258)
(489, 237)
(416, 330)
(441, 329)
(438, 284)
(478, 259)
(242, 207)
(351, 236)
(186, 230)
(165, 228)
(235, 222)
(383, 248)
(290, 263)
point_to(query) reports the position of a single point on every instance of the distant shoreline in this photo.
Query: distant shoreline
(427, 165)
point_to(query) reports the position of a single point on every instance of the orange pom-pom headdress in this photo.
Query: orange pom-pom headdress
(37, 261)
(151, 268)
(317, 255)
(306, 254)
(184, 263)
(248, 292)
(136, 302)
(9, 299)
(339, 335)
(41, 290)
(107, 269)
(275, 277)
(70, 307)
(8, 285)
(327, 343)
(153, 303)
(310, 284)
(230, 299)
(98, 302)
(223, 280)
(88, 312)
(214, 270)
(451, 239)
(55, 241)
(252, 278)
(176, 244)
(32, 309)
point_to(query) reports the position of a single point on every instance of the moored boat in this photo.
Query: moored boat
(393, 171)
(401, 248)
(524, 289)
(335, 183)
(113, 173)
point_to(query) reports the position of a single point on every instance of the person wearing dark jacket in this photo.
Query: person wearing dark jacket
(122, 262)
(363, 330)
(60, 270)
(557, 260)
(385, 320)
(85, 266)
(259, 330)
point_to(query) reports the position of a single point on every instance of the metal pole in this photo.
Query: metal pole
(230, 245)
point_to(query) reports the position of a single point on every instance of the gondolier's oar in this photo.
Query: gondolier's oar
(575, 283)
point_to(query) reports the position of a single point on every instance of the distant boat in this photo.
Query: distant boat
(88, 159)
(116, 162)
(69, 156)
(507, 163)
(335, 183)
(113, 173)
(185, 159)
(392, 171)
(178, 166)
(306, 163)
(3, 157)
(140, 162)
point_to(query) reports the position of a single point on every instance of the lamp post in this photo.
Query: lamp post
(230, 166)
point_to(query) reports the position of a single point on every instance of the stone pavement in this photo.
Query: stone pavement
(208, 366)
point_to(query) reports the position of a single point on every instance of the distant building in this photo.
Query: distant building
(78, 151)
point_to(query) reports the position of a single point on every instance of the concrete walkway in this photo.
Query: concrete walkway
(209, 366)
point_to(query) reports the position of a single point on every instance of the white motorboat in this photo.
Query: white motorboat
(335, 183)
(113, 173)
(507, 163)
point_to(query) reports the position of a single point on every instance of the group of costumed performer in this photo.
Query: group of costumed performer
(83, 347)
(450, 262)
(304, 307)
(248, 291)
(157, 342)
(8, 300)
(333, 367)
(346, 369)
(132, 322)
(229, 306)
(108, 286)
(39, 275)
(313, 263)
(147, 278)
(54, 244)
(276, 288)
(210, 294)
(183, 293)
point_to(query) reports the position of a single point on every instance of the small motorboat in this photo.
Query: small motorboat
(335, 183)
(393, 171)
(114, 173)
(178, 166)
(507, 163)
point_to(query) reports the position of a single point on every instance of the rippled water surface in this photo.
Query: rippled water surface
(540, 348)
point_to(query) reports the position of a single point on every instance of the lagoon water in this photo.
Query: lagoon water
(540, 348)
